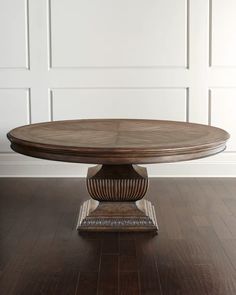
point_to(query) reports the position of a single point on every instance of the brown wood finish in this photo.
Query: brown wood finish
(117, 182)
(117, 191)
(194, 254)
(118, 141)
(117, 144)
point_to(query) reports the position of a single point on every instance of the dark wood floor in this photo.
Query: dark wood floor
(194, 254)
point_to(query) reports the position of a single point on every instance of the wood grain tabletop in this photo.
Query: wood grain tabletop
(118, 141)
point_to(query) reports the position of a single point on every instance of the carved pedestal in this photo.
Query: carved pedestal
(116, 204)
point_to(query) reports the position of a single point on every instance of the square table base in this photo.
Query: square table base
(117, 216)
(117, 204)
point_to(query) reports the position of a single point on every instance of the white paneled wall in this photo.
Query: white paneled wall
(223, 24)
(119, 103)
(159, 59)
(111, 33)
(14, 111)
(14, 50)
(223, 112)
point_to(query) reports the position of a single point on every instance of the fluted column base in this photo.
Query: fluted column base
(117, 203)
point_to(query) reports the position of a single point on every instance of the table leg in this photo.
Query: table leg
(117, 202)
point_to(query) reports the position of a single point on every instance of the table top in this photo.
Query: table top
(118, 141)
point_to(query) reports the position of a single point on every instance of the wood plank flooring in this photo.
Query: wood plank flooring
(194, 253)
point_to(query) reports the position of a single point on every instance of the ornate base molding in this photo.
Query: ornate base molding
(117, 216)
(117, 204)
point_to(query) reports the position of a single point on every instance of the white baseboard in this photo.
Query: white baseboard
(15, 165)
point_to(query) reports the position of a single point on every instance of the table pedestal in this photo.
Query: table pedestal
(117, 204)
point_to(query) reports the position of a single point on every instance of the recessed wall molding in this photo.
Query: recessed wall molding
(14, 48)
(151, 102)
(74, 65)
(222, 112)
(15, 110)
(222, 42)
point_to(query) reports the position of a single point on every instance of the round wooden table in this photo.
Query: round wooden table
(117, 185)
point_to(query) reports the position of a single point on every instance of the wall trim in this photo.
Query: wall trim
(50, 48)
(14, 165)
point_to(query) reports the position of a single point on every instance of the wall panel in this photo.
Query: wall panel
(222, 26)
(222, 112)
(121, 33)
(14, 34)
(119, 103)
(14, 111)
